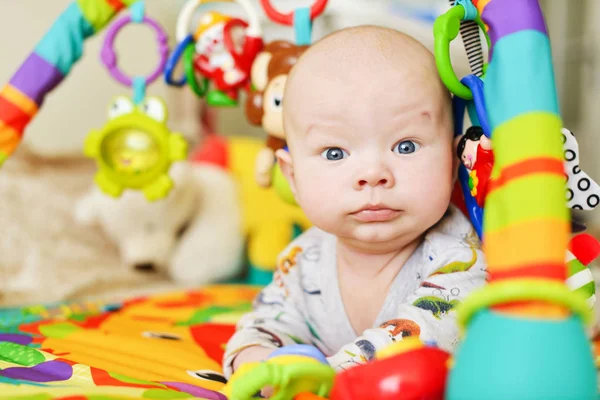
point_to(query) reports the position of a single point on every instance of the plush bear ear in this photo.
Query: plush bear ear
(258, 73)
(86, 208)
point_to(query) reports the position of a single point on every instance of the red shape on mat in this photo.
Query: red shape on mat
(102, 378)
(192, 299)
(212, 337)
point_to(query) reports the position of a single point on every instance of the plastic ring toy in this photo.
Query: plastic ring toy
(290, 375)
(523, 290)
(109, 57)
(445, 30)
(190, 73)
(300, 350)
(288, 19)
(475, 85)
(185, 17)
(174, 59)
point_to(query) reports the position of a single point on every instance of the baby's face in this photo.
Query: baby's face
(372, 162)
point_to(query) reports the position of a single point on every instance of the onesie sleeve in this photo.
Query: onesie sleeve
(428, 312)
(278, 315)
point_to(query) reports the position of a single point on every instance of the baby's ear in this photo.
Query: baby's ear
(285, 164)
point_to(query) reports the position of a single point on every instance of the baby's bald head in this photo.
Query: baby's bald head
(363, 69)
(367, 121)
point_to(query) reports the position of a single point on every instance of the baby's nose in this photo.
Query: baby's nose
(376, 176)
(364, 182)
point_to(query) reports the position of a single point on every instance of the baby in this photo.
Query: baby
(371, 162)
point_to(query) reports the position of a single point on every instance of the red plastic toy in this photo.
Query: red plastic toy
(415, 374)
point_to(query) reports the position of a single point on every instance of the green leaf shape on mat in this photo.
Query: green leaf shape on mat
(165, 394)
(205, 314)
(58, 330)
(39, 396)
(127, 379)
(18, 354)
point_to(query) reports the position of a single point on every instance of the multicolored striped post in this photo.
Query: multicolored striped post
(47, 66)
(525, 333)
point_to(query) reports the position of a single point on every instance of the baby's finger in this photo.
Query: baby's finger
(267, 392)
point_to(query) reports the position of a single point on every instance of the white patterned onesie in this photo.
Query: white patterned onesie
(303, 304)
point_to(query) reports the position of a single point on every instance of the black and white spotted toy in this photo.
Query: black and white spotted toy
(582, 192)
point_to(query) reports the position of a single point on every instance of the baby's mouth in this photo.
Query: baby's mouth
(376, 213)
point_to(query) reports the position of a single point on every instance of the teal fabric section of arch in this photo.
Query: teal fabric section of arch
(518, 359)
(525, 86)
(62, 46)
(302, 26)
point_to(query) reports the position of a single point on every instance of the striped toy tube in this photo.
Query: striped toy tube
(525, 334)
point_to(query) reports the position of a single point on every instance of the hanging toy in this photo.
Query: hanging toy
(135, 149)
(264, 105)
(474, 150)
(216, 52)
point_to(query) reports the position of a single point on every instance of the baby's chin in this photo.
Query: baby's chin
(379, 237)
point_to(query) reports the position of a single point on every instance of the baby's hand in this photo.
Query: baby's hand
(254, 354)
(251, 354)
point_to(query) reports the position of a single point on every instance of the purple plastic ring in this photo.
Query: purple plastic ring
(109, 56)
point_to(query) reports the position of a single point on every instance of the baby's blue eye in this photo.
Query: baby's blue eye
(406, 147)
(334, 154)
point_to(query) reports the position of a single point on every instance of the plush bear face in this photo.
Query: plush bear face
(146, 232)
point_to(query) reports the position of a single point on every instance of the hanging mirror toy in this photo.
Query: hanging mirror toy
(135, 149)
(213, 51)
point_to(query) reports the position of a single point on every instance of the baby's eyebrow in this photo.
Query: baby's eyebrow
(310, 128)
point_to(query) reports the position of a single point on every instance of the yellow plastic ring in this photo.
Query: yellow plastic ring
(523, 290)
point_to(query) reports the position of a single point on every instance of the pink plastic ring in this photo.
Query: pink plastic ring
(288, 19)
(109, 56)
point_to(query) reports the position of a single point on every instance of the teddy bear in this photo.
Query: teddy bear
(215, 225)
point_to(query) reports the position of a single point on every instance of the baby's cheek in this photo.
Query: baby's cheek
(319, 193)
(437, 189)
